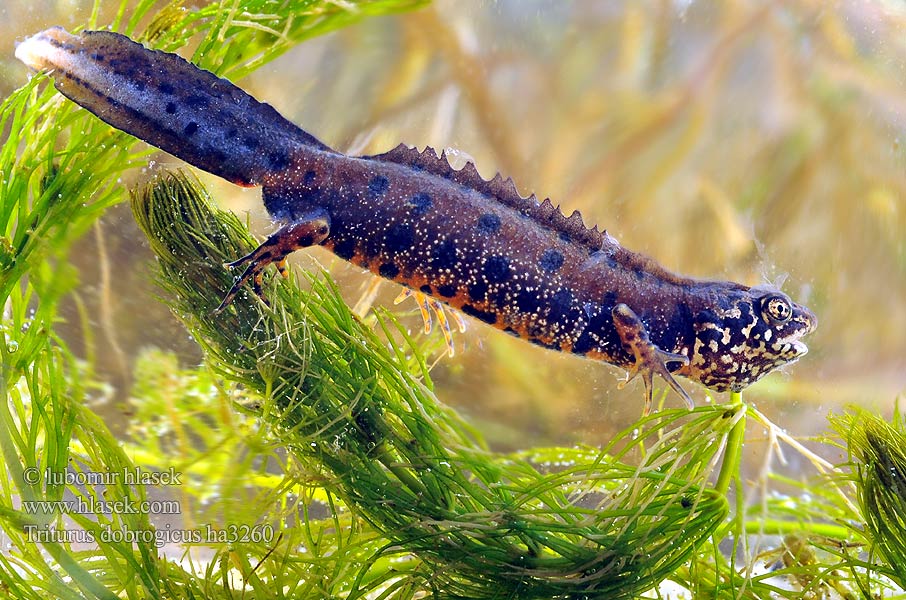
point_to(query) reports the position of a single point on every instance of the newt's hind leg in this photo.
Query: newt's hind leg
(308, 230)
(426, 305)
(649, 359)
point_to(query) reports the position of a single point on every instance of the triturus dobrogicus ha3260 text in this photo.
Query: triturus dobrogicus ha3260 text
(515, 263)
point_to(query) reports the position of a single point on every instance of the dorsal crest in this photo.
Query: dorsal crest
(499, 189)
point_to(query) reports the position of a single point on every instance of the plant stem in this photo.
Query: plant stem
(730, 467)
(779, 527)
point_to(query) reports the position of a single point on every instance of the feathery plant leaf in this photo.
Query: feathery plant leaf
(877, 452)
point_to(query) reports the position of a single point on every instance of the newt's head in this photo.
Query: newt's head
(749, 333)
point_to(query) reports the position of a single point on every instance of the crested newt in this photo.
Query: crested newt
(477, 245)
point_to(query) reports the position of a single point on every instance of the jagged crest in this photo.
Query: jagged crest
(501, 189)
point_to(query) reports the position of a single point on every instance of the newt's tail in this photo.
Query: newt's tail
(168, 102)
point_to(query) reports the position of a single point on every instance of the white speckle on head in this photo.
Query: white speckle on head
(727, 336)
(732, 313)
(697, 358)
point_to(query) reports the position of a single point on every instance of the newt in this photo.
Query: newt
(476, 245)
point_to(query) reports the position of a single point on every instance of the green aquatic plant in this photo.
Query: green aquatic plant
(320, 437)
(877, 453)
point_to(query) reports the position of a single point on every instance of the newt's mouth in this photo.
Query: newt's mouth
(798, 348)
(807, 322)
(808, 318)
(795, 346)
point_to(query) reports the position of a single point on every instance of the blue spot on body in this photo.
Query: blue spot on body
(388, 270)
(443, 255)
(527, 301)
(345, 249)
(446, 290)
(478, 291)
(488, 223)
(551, 260)
(585, 343)
(400, 237)
(196, 100)
(562, 309)
(420, 203)
(278, 160)
(497, 269)
(377, 186)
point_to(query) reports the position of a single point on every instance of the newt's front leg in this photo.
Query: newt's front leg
(649, 359)
(309, 230)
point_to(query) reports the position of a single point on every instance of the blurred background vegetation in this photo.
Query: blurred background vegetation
(752, 141)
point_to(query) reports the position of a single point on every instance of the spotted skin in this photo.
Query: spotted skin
(515, 263)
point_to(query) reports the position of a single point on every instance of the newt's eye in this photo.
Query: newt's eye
(776, 309)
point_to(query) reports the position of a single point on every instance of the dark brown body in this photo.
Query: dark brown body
(447, 234)
(512, 262)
